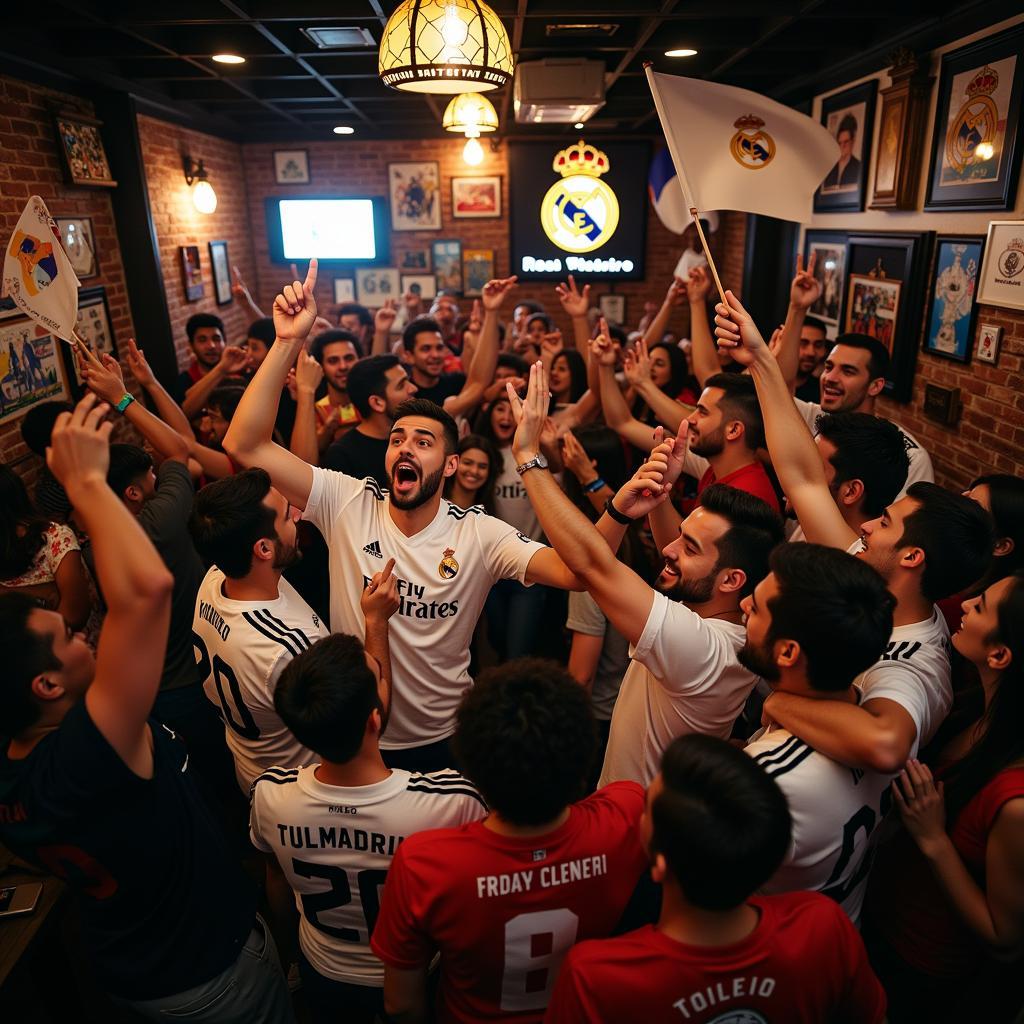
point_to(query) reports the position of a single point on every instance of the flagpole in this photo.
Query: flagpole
(683, 183)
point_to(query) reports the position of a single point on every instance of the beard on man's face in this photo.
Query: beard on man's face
(758, 660)
(711, 445)
(418, 496)
(285, 555)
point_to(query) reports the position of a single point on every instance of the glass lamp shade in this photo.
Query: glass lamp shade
(204, 199)
(470, 111)
(445, 46)
(473, 152)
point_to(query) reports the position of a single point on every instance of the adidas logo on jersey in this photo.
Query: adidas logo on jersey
(373, 548)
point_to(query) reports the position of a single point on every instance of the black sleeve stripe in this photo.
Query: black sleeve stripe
(288, 645)
(798, 760)
(446, 792)
(281, 771)
(293, 631)
(779, 753)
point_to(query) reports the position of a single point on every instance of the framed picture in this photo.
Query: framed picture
(850, 118)
(221, 272)
(415, 193)
(416, 259)
(477, 270)
(829, 251)
(374, 285)
(989, 336)
(476, 197)
(93, 324)
(885, 295)
(447, 256)
(344, 289)
(613, 308)
(85, 159)
(951, 308)
(976, 144)
(191, 272)
(291, 167)
(31, 370)
(77, 238)
(423, 285)
(1002, 273)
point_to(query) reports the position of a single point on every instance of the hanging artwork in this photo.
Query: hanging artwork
(85, 159)
(77, 238)
(447, 256)
(951, 302)
(850, 118)
(415, 191)
(1002, 273)
(30, 368)
(829, 251)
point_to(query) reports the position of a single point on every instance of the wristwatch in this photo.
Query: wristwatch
(538, 462)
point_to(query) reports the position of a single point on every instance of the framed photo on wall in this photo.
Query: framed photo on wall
(344, 289)
(93, 324)
(191, 272)
(828, 248)
(989, 336)
(415, 259)
(85, 159)
(476, 197)
(221, 273)
(447, 257)
(951, 308)
(423, 285)
(77, 238)
(375, 285)
(1002, 272)
(291, 167)
(31, 368)
(850, 118)
(477, 270)
(415, 193)
(613, 308)
(976, 142)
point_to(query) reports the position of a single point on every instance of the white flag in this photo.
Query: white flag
(736, 150)
(38, 274)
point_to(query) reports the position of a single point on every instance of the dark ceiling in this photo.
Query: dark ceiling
(290, 89)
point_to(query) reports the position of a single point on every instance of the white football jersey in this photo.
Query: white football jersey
(444, 575)
(335, 845)
(242, 648)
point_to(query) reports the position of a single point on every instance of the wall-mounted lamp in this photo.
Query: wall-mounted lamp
(204, 199)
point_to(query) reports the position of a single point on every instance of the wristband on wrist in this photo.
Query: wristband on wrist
(126, 400)
(594, 485)
(616, 514)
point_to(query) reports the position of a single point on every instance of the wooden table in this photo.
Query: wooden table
(18, 934)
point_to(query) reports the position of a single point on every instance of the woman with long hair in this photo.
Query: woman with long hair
(946, 899)
(473, 482)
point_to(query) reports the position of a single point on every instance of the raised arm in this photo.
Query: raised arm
(793, 451)
(803, 293)
(637, 368)
(249, 438)
(383, 321)
(576, 303)
(135, 582)
(241, 292)
(232, 362)
(659, 322)
(308, 438)
(703, 354)
(379, 601)
(616, 412)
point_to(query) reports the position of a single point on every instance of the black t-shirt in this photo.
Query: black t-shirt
(164, 906)
(165, 519)
(358, 455)
(448, 385)
(810, 390)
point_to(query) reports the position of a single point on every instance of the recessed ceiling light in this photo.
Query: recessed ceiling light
(578, 126)
(344, 129)
(228, 58)
(682, 52)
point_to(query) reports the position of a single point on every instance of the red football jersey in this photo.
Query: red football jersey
(503, 911)
(804, 963)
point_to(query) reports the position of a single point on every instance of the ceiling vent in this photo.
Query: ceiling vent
(558, 91)
(339, 38)
(582, 30)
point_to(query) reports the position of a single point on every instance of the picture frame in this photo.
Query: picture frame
(897, 258)
(374, 285)
(446, 254)
(476, 197)
(989, 337)
(1002, 271)
(32, 368)
(81, 147)
(76, 235)
(829, 249)
(416, 260)
(221, 266)
(344, 290)
(976, 141)
(613, 308)
(423, 285)
(291, 166)
(951, 307)
(191, 272)
(94, 325)
(414, 191)
(477, 270)
(849, 117)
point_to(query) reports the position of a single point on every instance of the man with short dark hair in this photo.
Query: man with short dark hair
(337, 352)
(358, 321)
(715, 828)
(811, 359)
(445, 310)
(258, 340)
(504, 899)
(212, 364)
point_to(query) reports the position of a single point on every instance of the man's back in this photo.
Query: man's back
(503, 911)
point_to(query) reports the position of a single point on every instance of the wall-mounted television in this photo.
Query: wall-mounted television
(335, 229)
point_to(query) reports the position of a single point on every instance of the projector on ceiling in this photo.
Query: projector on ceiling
(558, 91)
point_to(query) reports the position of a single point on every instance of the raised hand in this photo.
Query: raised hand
(677, 292)
(104, 378)
(79, 451)
(636, 365)
(531, 413)
(574, 301)
(234, 360)
(495, 292)
(920, 802)
(805, 290)
(238, 286)
(736, 331)
(698, 287)
(551, 344)
(139, 365)
(647, 488)
(775, 341)
(384, 318)
(674, 449)
(295, 307)
(576, 459)
(308, 373)
(379, 600)
(603, 350)
(413, 302)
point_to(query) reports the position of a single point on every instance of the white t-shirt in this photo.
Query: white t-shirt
(242, 649)
(835, 810)
(444, 574)
(585, 616)
(335, 845)
(684, 678)
(511, 502)
(920, 467)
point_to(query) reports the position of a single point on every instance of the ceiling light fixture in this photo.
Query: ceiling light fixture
(578, 126)
(468, 112)
(204, 199)
(344, 129)
(681, 52)
(473, 152)
(228, 58)
(445, 46)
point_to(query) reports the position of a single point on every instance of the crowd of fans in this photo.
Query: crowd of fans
(435, 666)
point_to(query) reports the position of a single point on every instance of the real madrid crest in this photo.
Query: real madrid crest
(580, 213)
(972, 133)
(448, 568)
(751, 147)
(1011, 259)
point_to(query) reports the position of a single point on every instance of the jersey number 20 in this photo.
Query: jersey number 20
(237, 716)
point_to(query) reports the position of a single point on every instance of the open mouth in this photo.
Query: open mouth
(406, 477)
(669, 575)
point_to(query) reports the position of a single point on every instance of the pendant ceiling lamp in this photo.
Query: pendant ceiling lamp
(471, 113)
(445, 46)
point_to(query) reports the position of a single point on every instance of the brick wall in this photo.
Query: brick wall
(32, 165)
(178, 222)
(348, 167)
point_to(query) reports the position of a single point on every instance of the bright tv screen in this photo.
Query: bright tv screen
(338, 229)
